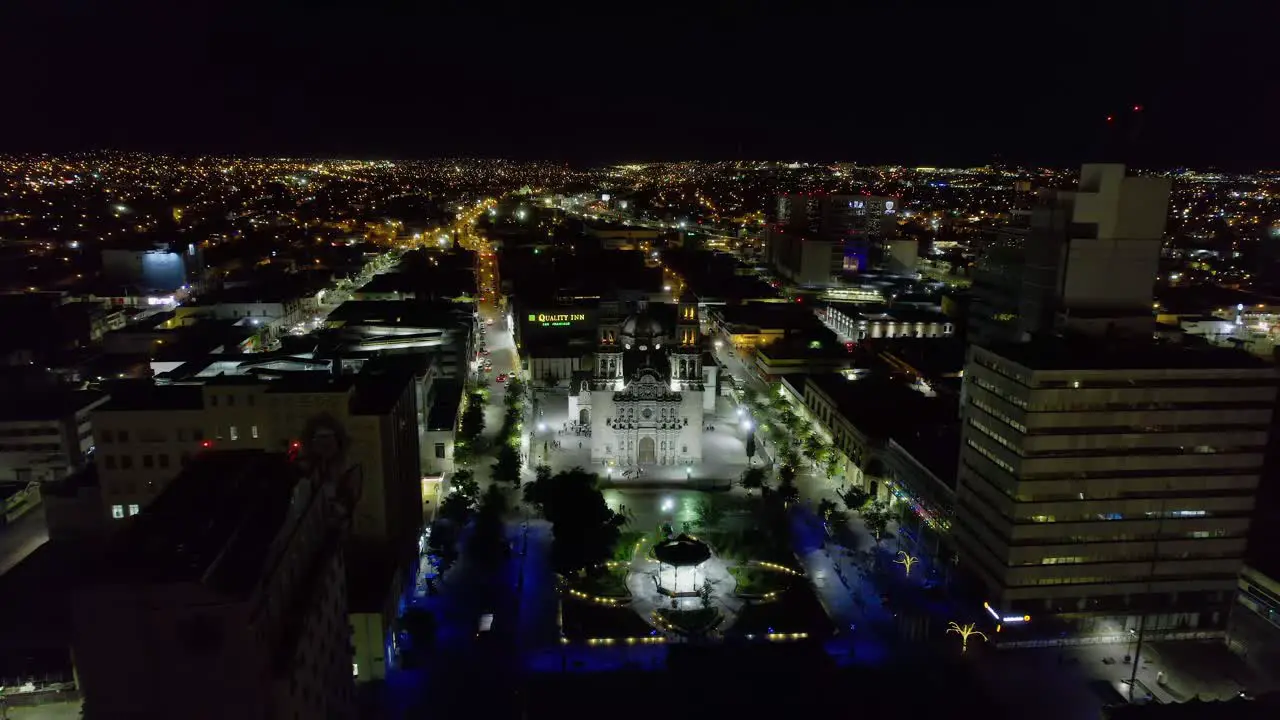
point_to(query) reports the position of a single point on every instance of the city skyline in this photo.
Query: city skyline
(937, 86)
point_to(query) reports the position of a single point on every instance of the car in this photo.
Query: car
(489, 321)
(484, 352)
(502, 378)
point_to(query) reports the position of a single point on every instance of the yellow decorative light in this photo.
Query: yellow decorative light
(964, 632)
(906, 561)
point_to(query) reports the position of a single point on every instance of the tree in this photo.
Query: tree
(787, 491)
(471, 426)
(488, 539)
(444, 541)
(583, 528)
(515, 392)
(875, 515)
(825, 508)
(420, 626)
(855, 498)
(506, 468)
(813, 447)
(704, 594)
(457, 508)
(542, 472)
(708, 513)
(753, 479)
(787, 473)
(831, 464)
(464, 483)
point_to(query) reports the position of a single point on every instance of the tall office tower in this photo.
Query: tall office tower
(817, 237)
(227, 597)
(1093, 254)
(1088, 260)
(1101, 481)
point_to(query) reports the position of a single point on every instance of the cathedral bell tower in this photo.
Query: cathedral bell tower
(608, 355)
(686, 357)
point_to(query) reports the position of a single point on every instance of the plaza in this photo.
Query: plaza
(559, 443)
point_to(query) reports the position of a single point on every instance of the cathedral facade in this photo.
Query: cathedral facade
(648, 394)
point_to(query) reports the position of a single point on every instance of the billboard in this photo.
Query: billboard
(558, 321)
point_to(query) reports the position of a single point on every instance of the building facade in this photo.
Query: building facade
(145, 437)
(1099, 484)
(647, 395)
(46, 436)
(227, 598)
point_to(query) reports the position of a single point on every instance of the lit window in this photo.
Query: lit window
(235, 434)
(253, 430)
(133, 509)
(117, 511)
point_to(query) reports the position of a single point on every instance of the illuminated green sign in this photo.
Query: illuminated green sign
(561, 320)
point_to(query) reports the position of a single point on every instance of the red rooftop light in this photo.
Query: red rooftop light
(206, 444)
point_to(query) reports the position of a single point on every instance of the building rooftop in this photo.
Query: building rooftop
(213, 524)
(1090, 353)
(410, 313)
(883, 407)
(138, 395)
(45, 404)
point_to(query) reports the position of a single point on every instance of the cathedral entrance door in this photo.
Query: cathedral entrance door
(647, 454)
(584, 416)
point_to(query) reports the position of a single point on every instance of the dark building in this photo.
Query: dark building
(227, 598)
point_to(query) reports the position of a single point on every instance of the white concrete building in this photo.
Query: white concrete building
(647, 396)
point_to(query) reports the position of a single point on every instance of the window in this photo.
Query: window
(213, 401)
(253, 430)
(197, 434)
(231, 401)
(163, 458)
(235, 434)
(249, 399)
(117, 511)
(109, 462)
(440, 450)
(133, 509)
(107, 436)
(148, 461)
(126, 462)
(124, 436)
(182, 435)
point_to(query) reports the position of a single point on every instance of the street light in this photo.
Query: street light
(964, 633)
(542, 427)
(748, 425)
(668, 505)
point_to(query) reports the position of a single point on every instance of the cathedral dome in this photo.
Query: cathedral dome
(642, 329)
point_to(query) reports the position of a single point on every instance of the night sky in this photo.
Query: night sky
(936, 83)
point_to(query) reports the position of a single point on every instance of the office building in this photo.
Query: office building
(47, 435)
(145, 435)
(1089, 257)
(1103, 480)
(818, 238)
(160, 269)
(227, 598)
(1253, 631)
